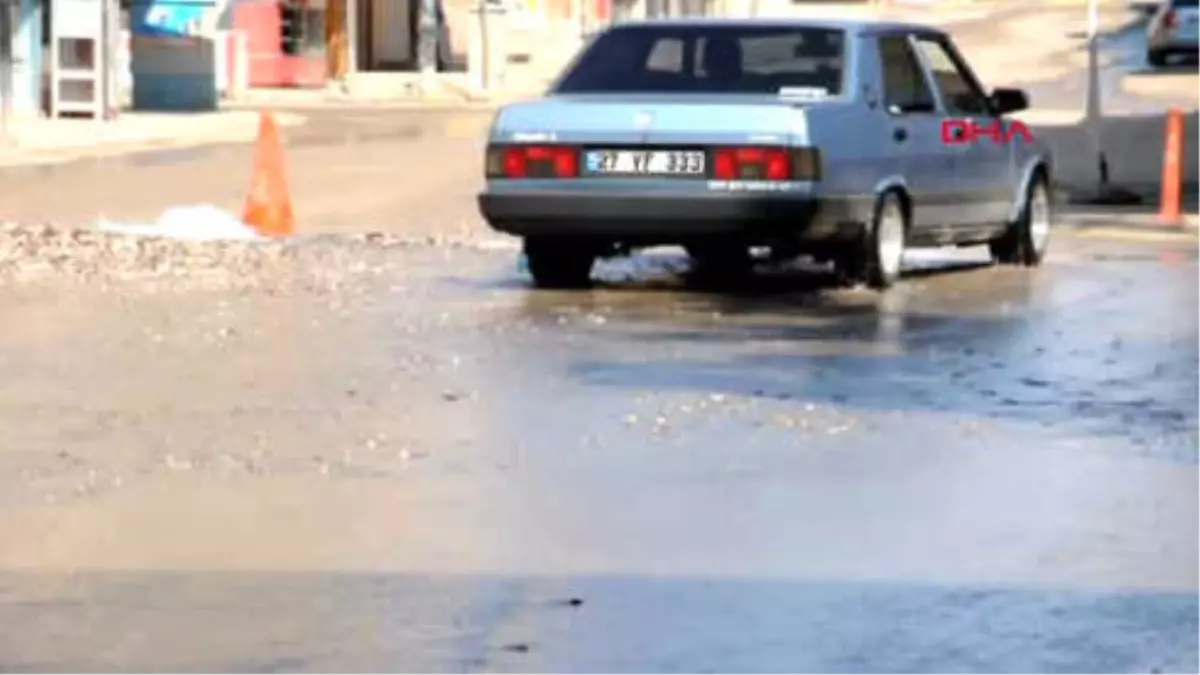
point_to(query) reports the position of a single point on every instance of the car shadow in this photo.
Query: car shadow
(670, 272)
(769, 279)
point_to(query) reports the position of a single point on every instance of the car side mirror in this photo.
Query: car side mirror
(1006, 101)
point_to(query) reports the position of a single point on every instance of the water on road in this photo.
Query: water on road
(434, 468)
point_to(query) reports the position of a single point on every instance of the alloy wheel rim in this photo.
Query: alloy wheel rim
(1039, 218)
(890, 240)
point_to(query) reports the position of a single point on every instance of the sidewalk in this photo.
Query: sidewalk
(1018, 46)
(1126, 224)
(936, 13)
(46, 141)
(1171, 86)
(447, 95)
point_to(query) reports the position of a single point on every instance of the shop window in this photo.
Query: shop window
(302, 28)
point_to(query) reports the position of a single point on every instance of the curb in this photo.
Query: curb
(415, 105)
(1134, 234)
(1130, 227)
(47, 156)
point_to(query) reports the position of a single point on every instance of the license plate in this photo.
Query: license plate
(645, 162)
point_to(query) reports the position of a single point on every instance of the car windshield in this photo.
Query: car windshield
(709, 59)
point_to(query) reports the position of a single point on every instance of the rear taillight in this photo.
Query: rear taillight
(532, 161)
(1170, 19)
(766, 164)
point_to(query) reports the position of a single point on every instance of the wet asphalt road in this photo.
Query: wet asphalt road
(436, 469)
(430, 467)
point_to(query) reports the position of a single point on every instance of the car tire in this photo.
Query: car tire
(559, 264)
(1026, 240)
(878, 258)
(1157, 58)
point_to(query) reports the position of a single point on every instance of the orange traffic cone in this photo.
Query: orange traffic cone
(269, 204)
(1170, 207)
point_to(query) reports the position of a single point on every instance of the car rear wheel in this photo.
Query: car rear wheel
(877, 260)
(559, 264)
(1027, 239)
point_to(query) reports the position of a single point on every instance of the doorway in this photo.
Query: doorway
(388, 35)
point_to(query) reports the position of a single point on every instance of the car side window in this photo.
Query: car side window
(714, 59)
(666, 56)
(905, 88)
(960, 92)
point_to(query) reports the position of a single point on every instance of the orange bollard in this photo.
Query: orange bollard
(269, 204)
(1170, 207)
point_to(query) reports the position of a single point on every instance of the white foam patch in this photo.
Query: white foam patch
(201, 222)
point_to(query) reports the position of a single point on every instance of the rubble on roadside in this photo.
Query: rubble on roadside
(47, 253)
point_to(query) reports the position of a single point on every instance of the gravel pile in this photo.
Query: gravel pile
(49, 254)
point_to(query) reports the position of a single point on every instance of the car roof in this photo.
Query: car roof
(848, 24)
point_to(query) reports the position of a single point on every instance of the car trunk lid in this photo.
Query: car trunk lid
(655, 120)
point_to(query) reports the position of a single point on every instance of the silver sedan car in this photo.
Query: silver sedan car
(1173, 30)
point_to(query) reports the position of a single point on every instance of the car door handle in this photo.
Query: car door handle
(900, 135)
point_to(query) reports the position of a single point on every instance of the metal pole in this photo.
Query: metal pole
(1093, 113)
(1103, 192)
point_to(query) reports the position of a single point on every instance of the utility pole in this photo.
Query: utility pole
(1093, 115)
(1103, 192)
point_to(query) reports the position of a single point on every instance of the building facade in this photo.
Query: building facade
(311, 42)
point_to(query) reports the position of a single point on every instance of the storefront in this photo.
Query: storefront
(306, 43)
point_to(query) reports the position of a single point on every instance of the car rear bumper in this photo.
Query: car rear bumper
(1176, 41)
(671, 218)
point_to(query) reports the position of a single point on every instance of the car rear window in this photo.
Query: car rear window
(709, 59)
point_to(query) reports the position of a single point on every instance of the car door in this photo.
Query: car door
(983, 166)
(915, 131)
